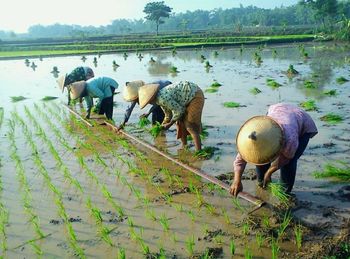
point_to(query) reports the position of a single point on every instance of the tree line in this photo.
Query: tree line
(322, 14)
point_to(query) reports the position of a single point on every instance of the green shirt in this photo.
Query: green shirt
(174, 98)
(99, 87)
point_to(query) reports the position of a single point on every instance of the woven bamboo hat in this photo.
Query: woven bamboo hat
(76, 89)
(61, 80)
(131, 90)
(259, 140)
(147, 93)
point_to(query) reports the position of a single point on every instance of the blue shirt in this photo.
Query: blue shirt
(99, 87)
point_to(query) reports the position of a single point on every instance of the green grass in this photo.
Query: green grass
(332, 92)
(272, 83)
(49, 98)
(17, 98)
(255, 91)
(339, 170)
(211, 90)
(309, 105)
(341, 80)
(310, 84)
(331, 118)
(231, 105)
(156, 130)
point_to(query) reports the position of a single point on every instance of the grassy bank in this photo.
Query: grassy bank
(28, 50)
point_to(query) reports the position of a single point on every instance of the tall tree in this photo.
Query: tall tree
(155, 11)
(326, 10)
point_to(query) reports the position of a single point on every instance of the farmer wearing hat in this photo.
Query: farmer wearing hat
(98, 87)
(181, 102)
(130, 94)
(78, 74)
(273, 142)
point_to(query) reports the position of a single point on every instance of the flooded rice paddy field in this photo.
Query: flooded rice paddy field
(70, 190)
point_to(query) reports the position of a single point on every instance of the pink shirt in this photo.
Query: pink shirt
(294, 121)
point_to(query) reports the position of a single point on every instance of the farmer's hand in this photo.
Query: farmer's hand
(267, 179)
(166, 125)
(236, 187)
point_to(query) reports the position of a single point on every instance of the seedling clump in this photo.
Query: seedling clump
(211, 90)
(231, 105)
(255, 91)
(205, 153)
(144, 122)
(17, 98)
(331, 170)
(332, 92)
(291, 71)
(49, 98)
(155, 130)
(310, 84)
(331, 118)
(341, 80)
(309, 105)
(272, 83)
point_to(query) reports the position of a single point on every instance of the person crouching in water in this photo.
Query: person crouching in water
(77, 74)
(130, 94)
(181, 102)
(99, 87)
(272, 142)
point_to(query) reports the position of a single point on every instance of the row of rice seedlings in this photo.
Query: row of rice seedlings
(26, 194)
(60, 164)
(57, 193)
(97, 215)
(339, 170)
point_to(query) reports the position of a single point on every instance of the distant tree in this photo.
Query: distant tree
(155, 11)
(326, 10)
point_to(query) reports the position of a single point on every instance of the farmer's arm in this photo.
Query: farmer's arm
(238, 168)
(128, 113)
(279, 162)
(177, 111)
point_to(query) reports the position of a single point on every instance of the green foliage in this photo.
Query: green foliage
(272, 83)
(341, 80)
(17, 98)
(156, 129)
(339, 170)
(298, 233)
(309, 105)
(231, 105)
(255, 91)
(331, 118)
(190, 245)
(155, 11)
(232, 247)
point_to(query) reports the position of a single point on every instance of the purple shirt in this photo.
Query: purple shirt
(294, 121)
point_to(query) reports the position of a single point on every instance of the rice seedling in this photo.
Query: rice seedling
(232, 247)
(205, 153)
(310, 84)
(309, 105)
(255, 91)
(178, 207)
(36, 248)
(150, 214)
(341, 80)
(291, 71)
(174, 52)
(231, 105)
(15, 99)
(237, 204)
(272, 83)
(218, 239)
(247, 253)
(210, 208)
(226, 216)
(173, 70)
(164, 221)
(191, 215)
(278, 191)
(156, 130)
(274, 248)
(298, 233)
(207, 64)
(49, 98)
(274, 53)
(266, 221)
(143, 122)
(287, 218)
(131, 223)
(259, 239)
(332, 92)
(338, 170)
(174, 237)
(145, 248)
(245, 228)
(215, 84)
(332, 118)
(211, 90)
(190, 245)
(121, 253)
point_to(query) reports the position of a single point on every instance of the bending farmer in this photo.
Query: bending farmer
(181, 102)
(99, 87)
(273, 142)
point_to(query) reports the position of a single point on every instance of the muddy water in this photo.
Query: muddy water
(319, 204)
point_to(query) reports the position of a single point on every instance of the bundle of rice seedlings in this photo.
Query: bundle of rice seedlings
(309, 105)
(331, 118)
(231, 105)
(155, 130)
(278, 191)
(331, 170)
(144, 122)
(17, 98)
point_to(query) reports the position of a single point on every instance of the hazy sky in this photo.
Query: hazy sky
(19, 15)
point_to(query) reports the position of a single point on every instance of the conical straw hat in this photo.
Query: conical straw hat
(76, 89)
(147, 93)
(131, 90)
(260, 140)
(61, 80)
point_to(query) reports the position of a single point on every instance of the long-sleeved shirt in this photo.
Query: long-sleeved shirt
(295, 122)
(99, 87)
(130, 108)
(174, 98)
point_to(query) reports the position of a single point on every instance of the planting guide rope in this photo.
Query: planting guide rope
(244, 195)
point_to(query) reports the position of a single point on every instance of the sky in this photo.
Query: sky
(19, 15)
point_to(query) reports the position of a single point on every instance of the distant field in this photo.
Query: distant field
(36, 49)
